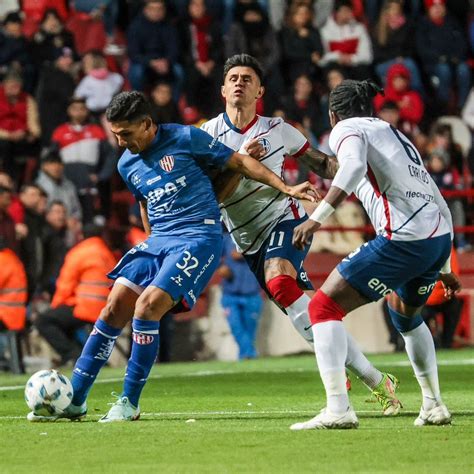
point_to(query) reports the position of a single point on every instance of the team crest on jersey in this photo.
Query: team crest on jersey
(265, 144)
(167, 163)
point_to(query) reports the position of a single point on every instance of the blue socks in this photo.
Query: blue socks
(144, 352)
(95, 354)
(404, 323)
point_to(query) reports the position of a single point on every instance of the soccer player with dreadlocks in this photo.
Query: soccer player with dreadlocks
(410, 252)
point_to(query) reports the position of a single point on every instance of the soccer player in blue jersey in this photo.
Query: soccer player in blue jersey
(167, 168)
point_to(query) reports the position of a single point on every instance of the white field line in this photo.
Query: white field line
(206, 373)
(239, 413)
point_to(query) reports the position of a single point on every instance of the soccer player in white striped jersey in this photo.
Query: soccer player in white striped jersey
(261, 221)
(410, 252)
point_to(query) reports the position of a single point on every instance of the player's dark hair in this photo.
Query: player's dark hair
(353, 98)
(244, 60)
(128, 107)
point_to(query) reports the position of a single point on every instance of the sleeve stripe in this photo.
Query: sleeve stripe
(301, 150)
(342, 140)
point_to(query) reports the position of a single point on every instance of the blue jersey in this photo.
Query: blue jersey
(172, 174)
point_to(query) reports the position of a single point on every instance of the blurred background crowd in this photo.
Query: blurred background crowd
(61, 62)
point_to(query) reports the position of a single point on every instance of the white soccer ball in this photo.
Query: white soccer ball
(48, 392)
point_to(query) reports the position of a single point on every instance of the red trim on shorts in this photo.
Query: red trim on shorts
(294, 209)
(301, 150)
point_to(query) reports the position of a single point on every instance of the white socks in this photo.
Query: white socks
(357, 363)
(298, 313)
(420, 348)
(330, 343)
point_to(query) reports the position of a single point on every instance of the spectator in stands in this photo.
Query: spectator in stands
(303, 107)
(58, 188)
(251, 33)
(393, 43)
(51, 36)
(89, 160)
(7, 225)
(163, 106)
(56, 245)
(55, 88)
(334, 76)
(99, 84)
(81, 293)
(13, 294)
(202, 56)
(8, 6)
(35, 10)
(346, 42)
(409, 102)
(14, 50)
(447, 178)
(153, 48)
(450, 309)
(241, 299)
(107, 11)
(442, 47)
(301, 44)
(19, 126)
(15, 210)
(32, 246)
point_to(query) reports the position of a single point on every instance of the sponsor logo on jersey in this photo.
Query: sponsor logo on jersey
(167, 163)
(419, 174)
(169, 188)
(204, 268)
(142, 339)
(379, 287)
(265, 144)
(153, 180)
(192, 296)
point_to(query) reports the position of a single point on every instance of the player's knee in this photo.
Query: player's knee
(115, 313)
(404, 323)
(323, 308)
(152, 305)
(284, 290)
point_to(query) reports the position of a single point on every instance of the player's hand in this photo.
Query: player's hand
(255, 149)
(451, 283)
(304, 191)
(302, 234)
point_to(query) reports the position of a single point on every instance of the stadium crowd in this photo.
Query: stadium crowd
(61, 62)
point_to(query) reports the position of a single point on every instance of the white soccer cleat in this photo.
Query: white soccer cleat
(122, 410)
(439, 415)
(328, 421)
(72, 412)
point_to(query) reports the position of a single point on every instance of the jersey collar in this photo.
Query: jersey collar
(239, 130)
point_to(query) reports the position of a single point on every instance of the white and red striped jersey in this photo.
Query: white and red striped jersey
(79, 143)
(254, 209)
(386, 173)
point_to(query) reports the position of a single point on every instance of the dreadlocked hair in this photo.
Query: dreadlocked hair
(353, 98)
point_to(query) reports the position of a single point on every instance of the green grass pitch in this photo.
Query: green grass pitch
(242, 413)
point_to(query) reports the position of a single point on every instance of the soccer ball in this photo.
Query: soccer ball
(48, 392)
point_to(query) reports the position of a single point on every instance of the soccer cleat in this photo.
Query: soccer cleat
(122, 410)
(384, 392)
(329, 421)
(439, 415)
(72, 412)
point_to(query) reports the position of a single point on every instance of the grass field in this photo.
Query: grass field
(242, 413)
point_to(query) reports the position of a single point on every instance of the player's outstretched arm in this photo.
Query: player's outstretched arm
(323, 165)
(253, 169)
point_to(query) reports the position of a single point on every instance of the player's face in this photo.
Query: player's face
(132, 135)
(242, 87)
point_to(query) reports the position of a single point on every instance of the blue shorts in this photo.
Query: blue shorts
(181, 266)
(410, 268)
(279, 245)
